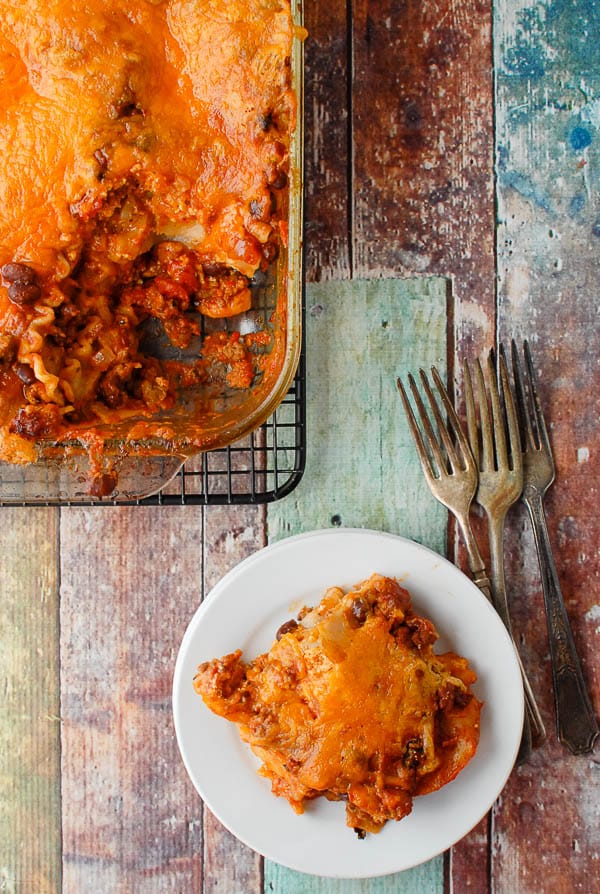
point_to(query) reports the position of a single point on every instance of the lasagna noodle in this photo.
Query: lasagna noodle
(352, 703)
(144, 176)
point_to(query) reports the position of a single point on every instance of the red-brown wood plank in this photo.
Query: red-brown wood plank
(230, 534)
(546, 822)
(131, 579)
(326, 161)
(422, 112)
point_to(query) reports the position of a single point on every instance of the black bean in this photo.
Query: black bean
(24, 292)
(129, 109)
(126, 105)
(462, 699)
(358, 611)
(287, 627)
(25, 373)
(270, 251)
(13, 272)
(213, 268)
(102, 160)
(261, 209)
(277, 178)
(103, 484)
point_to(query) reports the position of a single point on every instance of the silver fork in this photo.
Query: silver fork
(451, 476)
(576, 723)
(494, 441)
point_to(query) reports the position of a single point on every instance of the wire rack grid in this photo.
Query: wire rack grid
(261, 468)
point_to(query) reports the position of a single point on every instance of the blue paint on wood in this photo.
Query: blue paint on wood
(527, 187)
(570, 26)
(577, 204)
(526, 58)
(548, 81)
(574, 25)
(580, 138)
(547, 64)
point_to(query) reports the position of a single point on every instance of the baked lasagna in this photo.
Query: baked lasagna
(143, 185)
(351, 703)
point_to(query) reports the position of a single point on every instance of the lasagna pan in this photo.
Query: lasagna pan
(150, 237)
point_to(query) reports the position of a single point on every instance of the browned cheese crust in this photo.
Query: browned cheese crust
(144, 181)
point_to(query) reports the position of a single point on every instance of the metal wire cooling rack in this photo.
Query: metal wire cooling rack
(261, 468)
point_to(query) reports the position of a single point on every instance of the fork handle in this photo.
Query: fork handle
(479, 574)
(533, 717)
(576, 723)
(474, 557)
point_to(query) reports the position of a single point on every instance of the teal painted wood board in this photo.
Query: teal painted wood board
(362, 469)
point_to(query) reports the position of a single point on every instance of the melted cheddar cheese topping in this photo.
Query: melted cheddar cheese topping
(352, 703)
(143, 176)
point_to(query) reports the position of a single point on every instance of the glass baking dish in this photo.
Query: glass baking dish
(142, 455)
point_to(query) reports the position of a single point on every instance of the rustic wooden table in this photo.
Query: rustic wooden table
(452, 154)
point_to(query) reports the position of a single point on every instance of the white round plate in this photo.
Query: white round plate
(245, 610)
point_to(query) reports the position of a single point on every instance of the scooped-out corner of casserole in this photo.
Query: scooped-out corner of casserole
(143, 182)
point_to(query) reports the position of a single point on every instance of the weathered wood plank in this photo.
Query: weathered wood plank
(326, 162)
(420, 166)
(468, 865)
(421, 879)
(549, 268)
(230, 535)
(362, 469)
(423, 149)
(29, 707)
(130, 581)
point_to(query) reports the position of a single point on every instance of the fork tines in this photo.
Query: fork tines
(531, 416)
(434, 460)
(446, 459)
(494, 437)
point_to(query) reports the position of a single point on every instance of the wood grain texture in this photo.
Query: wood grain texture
(362, 469)
(422, 113)
(130, 580)
(423, 187)
(399, 182)
(328, 125)
(469, 864)
(548, 822)
(420, 181)
(29, 707)
(425, 879)
(230, 535)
